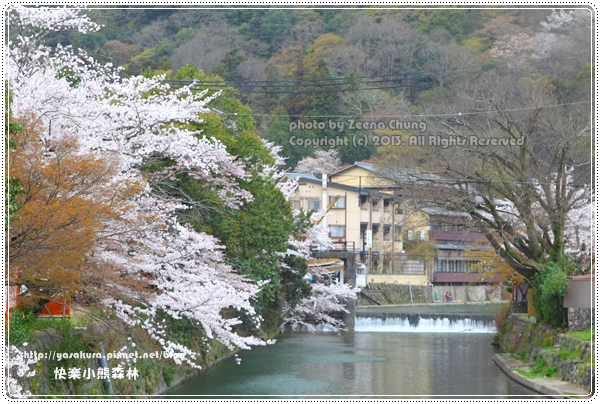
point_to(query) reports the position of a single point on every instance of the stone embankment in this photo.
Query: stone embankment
(387, 294)
(528, 345)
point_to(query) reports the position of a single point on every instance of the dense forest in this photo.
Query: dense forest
(361, 60)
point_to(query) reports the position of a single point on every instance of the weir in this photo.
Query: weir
(424, 322)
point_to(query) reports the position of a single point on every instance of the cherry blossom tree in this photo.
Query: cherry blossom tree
(17, 367)
(567, 19)
(559, 34)
(319, 308)
(326, 298)
(145, 264)
(323, 162)
(132, 120)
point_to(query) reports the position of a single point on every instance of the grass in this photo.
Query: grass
(585, 335)
(566, 355)
(540, 369)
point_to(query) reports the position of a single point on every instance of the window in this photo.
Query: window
(314, 205)
(452, 265)
(420, 235)
(338, 231)
(296, 205)
(409, 234)
(340, 204)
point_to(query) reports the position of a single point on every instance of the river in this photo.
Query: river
(368, 363)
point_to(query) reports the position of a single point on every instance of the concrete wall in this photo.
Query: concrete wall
(473, 293)
(580, 293)
(392, 293)
(415, 280)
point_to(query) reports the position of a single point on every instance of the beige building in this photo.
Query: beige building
(363, 175)
(455, 240)
(366, 219)
(421, 221)
(357, 212)
(369, 219)
(342, 218)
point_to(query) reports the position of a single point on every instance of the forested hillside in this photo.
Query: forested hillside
(290, 64)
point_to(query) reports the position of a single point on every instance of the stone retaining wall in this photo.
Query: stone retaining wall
(573, 344)
(580, 318)
(401, 294)
(572, 370)
(526, 337)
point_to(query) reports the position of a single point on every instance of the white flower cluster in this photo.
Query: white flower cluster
(130, 120)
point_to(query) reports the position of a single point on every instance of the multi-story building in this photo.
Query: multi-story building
(362, 220)
(369, 219)
(342, 218)
(457, 244)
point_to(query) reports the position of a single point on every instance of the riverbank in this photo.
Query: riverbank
(544, 359)
(548, 386)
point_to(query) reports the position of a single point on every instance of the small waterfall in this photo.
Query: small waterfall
(404, 322)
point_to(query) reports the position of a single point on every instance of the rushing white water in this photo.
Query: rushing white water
(424, 324)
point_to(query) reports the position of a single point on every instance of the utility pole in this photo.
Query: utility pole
(370, 262)
(393, 231)
(324, 201)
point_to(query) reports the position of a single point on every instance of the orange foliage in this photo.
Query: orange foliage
(67, 196)
(286, 60)
(491, 264)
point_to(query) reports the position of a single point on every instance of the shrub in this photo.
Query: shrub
(501, 317)
(551, 286)
(21, 324)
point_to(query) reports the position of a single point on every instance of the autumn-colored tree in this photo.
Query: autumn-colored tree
(491, 265)
(65, 197)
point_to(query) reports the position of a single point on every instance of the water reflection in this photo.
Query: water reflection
(361, 365)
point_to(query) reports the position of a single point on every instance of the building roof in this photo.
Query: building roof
(439, 211)
(461, 236)
(444, 245)
(361, 164)
(372, 180)
(315, 180)
(297, 176)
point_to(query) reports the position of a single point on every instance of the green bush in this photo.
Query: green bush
(21, 324)
(551, 285)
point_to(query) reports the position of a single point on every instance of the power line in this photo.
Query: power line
(350, 80)
(400, 115)
(332, 90)
(435, 180)
(296, 86)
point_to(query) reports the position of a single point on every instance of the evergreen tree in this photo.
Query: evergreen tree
(228, 67)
